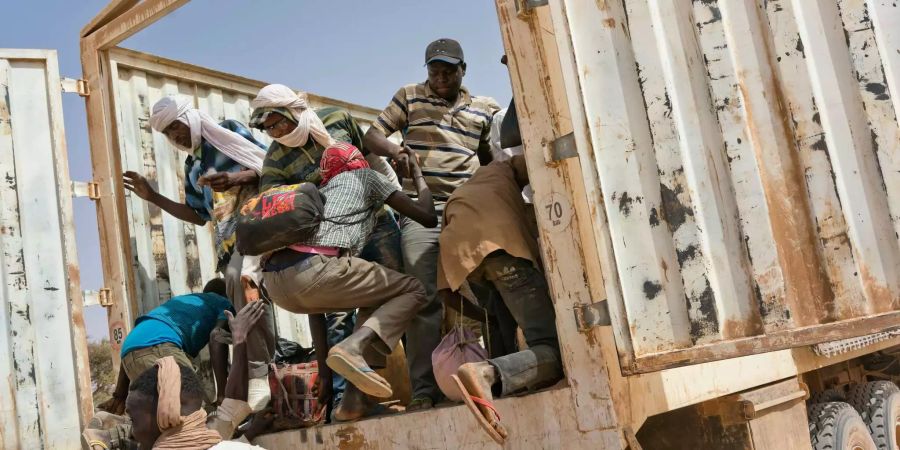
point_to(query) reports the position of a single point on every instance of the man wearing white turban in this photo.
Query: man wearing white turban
(301, 134)
(220, 172)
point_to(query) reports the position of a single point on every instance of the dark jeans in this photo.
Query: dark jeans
(523, 290)
(499, 332)
(383, 248)
(420, 259)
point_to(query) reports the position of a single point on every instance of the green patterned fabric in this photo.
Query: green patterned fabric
(294, 165)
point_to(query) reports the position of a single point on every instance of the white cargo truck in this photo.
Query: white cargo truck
(717, 187)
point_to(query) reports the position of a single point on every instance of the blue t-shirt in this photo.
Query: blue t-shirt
(185, 320)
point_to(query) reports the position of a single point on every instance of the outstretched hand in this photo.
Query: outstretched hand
(136, 183)
(245, 320)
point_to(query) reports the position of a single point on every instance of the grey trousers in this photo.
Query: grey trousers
(261, 339)
(523, 290)
(420, 259)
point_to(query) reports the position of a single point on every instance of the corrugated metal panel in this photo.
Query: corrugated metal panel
(172, 257)
(748, 154)
(44, 381)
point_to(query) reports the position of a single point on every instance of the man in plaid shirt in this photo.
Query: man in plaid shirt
(322, 274)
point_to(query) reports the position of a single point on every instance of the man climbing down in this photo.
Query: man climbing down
(487, 240)
(186, 429)
(179, 328)
(322, 274)
(295, 155)
(221, 171)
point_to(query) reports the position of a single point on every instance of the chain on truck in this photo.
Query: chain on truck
(719, 184)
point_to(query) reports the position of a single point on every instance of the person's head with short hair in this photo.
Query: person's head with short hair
(216, 286)
(143, 402)
(446, 68)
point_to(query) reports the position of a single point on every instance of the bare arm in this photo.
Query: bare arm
(318, 327)
(218, 359)
(116, 405)
(136, 183)
(421, 209)
(376, 142)
(238, 379)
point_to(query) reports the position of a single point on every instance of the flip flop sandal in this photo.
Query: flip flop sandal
(361, 377)
(470, 401)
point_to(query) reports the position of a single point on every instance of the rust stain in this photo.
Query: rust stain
(602, 5)
(807, 293)
(350, 438)
(737, 328)
(878, 294)
(609, 22)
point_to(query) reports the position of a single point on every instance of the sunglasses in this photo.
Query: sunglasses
(269, 128)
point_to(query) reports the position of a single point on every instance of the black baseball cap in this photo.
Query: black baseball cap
(446, 50)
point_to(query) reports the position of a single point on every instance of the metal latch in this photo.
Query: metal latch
(99, 297)
(563, 147)
(89, 189)
(523, 7)
(79, 87)
(592, 315)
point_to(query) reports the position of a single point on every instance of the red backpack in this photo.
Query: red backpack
(294, 403)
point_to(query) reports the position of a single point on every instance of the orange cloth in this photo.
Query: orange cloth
(482, 216)
(179, 432)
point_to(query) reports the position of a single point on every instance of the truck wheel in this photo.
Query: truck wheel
(828, 395)
(837, 426)
(878, 403)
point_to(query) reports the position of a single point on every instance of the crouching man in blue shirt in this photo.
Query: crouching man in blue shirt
(179, 328)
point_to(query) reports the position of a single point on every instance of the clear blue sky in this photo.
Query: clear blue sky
(354, 50)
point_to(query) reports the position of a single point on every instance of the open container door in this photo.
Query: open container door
(169, 256)
(45, 385)
(744, 160)
(148, 255)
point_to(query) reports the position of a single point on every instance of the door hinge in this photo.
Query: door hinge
(99, 297)
(524, 7)
(563, 147)
(592, 315)
(89, 189)
(79, 87)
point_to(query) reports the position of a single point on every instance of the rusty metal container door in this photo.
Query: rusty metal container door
(45, 390)
(745, 158)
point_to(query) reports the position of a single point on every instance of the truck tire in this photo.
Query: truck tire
(837, 426)
(878, 403)
(828, 395)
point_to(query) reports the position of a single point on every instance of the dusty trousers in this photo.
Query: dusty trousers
(524, 291)
(387, 300)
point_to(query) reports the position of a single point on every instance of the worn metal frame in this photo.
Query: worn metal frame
(100, 62)
(173, 257)
(44, 373)
(785, 244)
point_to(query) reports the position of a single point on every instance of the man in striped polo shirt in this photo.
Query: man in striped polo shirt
(448, 130)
